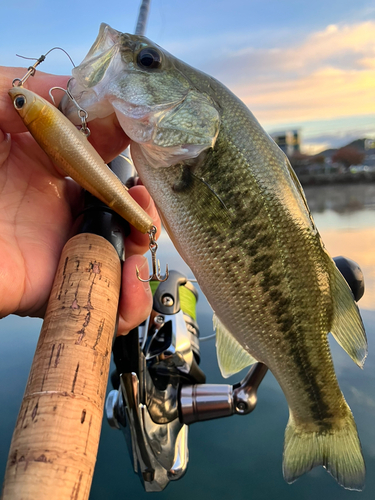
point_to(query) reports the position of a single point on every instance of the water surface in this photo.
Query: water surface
(238, 457)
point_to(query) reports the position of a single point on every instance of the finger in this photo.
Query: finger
(5, 145)
(137, 242)
(107, 137)
(136, 297)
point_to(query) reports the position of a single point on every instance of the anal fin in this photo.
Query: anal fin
(232, 357)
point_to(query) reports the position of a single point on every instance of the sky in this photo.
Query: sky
(295, 63)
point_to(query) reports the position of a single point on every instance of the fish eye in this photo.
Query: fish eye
(149, 58)
(19, 101)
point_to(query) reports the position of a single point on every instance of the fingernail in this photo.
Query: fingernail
(5, 144)
(151, 203)
(152, 210)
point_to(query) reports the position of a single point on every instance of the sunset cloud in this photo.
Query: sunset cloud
(330, 74)
(323, 94)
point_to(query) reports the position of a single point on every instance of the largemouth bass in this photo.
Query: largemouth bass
(71, 151)
(237, 214)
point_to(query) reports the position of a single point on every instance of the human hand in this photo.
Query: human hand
(37, 208)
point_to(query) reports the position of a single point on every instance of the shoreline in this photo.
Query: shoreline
(334, 178)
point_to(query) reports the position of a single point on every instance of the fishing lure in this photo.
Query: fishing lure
(70, 150)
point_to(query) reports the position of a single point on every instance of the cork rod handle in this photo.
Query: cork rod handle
(55, 441)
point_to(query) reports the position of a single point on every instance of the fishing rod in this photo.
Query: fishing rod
(142, 17)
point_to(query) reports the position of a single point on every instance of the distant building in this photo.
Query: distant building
(289, 141)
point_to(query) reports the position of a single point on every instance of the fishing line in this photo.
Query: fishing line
(209, 337)
(31, 69)
(42, 57)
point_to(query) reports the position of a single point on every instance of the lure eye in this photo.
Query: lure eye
(19, 102)
(149, 58)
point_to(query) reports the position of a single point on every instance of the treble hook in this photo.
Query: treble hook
(153, 246)
(82, 113)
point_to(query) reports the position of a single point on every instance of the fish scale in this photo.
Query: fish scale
(237, 214)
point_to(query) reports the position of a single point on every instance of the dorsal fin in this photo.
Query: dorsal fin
(347, 327)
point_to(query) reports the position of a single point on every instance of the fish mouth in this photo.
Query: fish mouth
(96, 68)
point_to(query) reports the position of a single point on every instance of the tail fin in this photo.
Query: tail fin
(337, 449)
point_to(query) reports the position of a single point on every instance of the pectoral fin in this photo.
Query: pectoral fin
(232, 357)
(347, 327)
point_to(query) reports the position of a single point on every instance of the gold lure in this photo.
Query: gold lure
(69, 149)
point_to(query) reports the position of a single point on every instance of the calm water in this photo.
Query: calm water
(239, 457)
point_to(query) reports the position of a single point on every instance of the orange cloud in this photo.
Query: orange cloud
(331, 74)
(334, 41)
(324, 94)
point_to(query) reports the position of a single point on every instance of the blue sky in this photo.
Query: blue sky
(300, 64)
